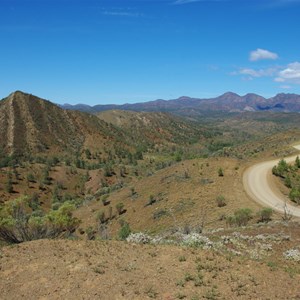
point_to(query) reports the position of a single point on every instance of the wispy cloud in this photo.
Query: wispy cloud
(185, 1)
(122, 13)
(281, 3)
(268, 72)
(285, 87)
(178, 2)
(260, 54)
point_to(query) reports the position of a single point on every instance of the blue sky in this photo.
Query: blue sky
(110, 51)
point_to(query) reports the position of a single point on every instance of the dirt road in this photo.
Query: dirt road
(260, 187)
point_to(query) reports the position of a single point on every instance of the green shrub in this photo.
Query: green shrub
(104, 199)
(281, 168)
(19, 224)
(101, 217)
(120, 208)
(220, 172)
(221, 201)
(124, 231)
(288, 182)
(241, 217)
(265, 214)
(297, 162)
(30, 177)
(295, 195)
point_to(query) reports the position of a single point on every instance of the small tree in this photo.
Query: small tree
(104, 199)
(88, 153)
(9, 183)
(45, 176)
(297, 162)
(295, 195)
(30, 177)
(120, 208)
(124, 231)
(221, 201)
(243, 216)
(151, 200)
(287, 181)
(265, 214)
(133, 192)
(220, 172)
(34, 202)
(110, 213)
(281, 168)
(101, 217)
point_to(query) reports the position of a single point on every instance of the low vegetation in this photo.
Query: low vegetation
(290, 176)
(19, 222)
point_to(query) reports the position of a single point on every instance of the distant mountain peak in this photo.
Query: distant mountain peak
(229, 94)
(184, 98)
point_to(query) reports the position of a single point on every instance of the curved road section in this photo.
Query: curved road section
(258, 185)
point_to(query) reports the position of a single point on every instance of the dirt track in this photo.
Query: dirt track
(259, 186)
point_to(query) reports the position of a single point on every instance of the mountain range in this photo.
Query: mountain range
(228, 102)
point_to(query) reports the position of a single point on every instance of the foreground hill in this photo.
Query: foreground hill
(228, 102)
(263, 268)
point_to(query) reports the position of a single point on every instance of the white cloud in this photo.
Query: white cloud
(260, 54)
(258, 73)
(290, 74)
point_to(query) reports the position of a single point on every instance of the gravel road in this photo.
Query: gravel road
(260, 187)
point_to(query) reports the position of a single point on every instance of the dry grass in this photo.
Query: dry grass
(63, 269)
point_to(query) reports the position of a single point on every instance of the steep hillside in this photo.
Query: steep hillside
(30, 125)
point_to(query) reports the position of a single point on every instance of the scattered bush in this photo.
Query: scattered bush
(120, 208)
(9, 184)
(19, 224)
(295, 195)
(159, 214)
(241, 217)
(281, 168)
(288, 182)
(297, 162)
(105, 200)
(220, 172)
(151, 200)
(221, 201)
(101, 217)
(30, 177)
(124, 231)
(265, 214)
